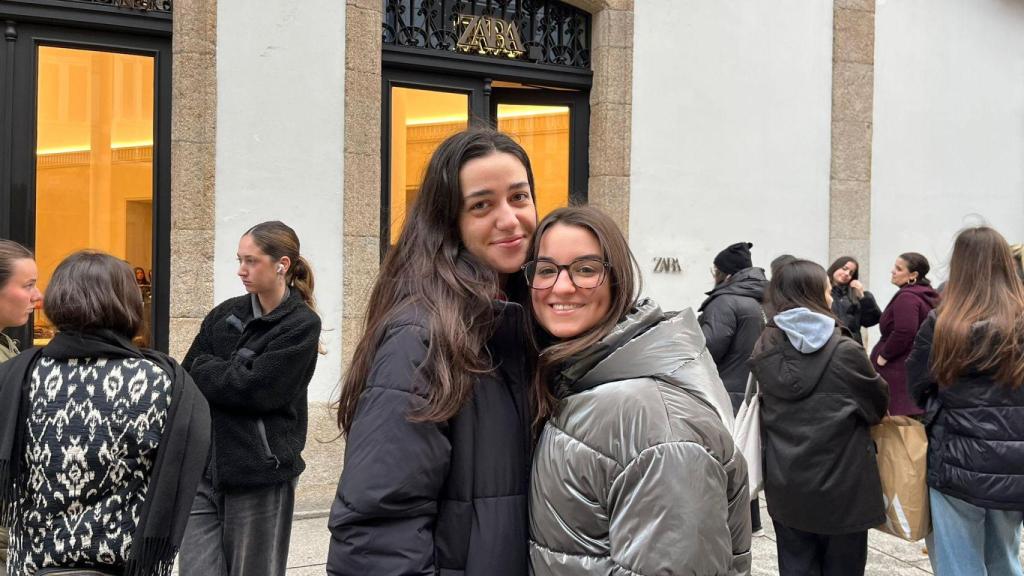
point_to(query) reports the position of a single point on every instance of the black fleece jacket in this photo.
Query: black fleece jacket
(255, 373)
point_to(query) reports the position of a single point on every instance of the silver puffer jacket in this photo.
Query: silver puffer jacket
(637, 475)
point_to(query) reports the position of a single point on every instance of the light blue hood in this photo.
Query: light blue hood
(807, 331)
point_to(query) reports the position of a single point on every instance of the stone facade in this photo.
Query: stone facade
(852, 96)
(193, 167)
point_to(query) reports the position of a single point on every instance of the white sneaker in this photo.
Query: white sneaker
(757, 533)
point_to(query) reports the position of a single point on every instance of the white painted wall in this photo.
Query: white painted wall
(731, 135)
(280, 105)
(948, 146)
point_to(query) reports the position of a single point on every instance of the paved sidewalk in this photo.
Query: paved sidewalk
(887, 556)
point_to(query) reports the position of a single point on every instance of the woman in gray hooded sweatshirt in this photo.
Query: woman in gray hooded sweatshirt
(819, 396)
(635, 472)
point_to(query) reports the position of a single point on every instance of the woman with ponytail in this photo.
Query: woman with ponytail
(253, 360)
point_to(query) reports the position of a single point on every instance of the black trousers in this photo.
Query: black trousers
(806, 554)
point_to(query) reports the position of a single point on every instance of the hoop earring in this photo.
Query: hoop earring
(912, 281)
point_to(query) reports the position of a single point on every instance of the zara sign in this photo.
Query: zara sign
(489, 36)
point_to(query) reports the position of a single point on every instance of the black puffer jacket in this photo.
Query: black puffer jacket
(254, 373)
(863, 313)
(445, 498)
(820, 471)
(976, 440)
(732, 318)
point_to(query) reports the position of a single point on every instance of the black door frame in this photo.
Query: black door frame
(451, 72)
(26, 27)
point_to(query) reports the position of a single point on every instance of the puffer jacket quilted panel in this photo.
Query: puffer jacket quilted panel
(637, 473)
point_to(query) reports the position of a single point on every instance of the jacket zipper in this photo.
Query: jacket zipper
(267, 453)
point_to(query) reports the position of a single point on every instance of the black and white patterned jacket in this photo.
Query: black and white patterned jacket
(91, 438)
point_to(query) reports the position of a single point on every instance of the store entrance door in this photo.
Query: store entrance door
(85, 146)
(420, 110)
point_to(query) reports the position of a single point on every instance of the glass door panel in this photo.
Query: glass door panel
(94, 162)
(543, 131)
(420, 120)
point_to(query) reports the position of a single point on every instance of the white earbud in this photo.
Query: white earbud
(280, 268)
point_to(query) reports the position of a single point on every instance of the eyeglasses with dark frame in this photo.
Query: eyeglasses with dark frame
(586, 272)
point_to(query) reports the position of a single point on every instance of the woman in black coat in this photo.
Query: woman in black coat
(819, 397)
(854, 306)
(253, 359)
(434, 404)
(967, 370)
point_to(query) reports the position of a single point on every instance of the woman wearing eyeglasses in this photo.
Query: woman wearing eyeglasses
(434, 405)
(635, 471)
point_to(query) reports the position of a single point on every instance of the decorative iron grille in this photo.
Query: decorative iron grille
(140, 5)
(552, 32)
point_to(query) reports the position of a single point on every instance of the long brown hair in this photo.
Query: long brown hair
(430, 269)
(623, 277)
(277, 240)
(798, 284)
(984, 287)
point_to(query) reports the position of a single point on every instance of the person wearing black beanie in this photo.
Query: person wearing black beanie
(732, 319)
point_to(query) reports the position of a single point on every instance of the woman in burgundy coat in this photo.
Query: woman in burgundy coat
(902, 317)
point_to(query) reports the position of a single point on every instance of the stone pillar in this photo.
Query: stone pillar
(361, 246)
(853, 73)
(193, 162)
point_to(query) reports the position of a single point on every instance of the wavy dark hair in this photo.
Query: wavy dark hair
(798, 284)
(430, 269)
(984, 287)
(626, 284)
(839, 263)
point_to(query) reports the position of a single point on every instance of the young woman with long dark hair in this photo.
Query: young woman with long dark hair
(819, 397)
(635, 470)
(899, 324)
(967, 368)
(253, 359)
(434, 403)
(854, 306)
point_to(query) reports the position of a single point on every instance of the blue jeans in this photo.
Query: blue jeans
(972, 541)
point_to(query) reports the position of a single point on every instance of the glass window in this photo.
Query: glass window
(94, 162)
(543, 131)
(420, 121)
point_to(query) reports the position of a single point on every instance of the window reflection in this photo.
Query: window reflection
(94, 161)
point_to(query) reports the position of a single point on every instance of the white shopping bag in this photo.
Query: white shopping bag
(746, 433)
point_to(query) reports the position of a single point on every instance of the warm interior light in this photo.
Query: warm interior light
(96, 103)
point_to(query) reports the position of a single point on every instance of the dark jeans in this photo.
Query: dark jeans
(806, 554)
(238, 533)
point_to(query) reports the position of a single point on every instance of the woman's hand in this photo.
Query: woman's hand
(881, 361)
(858, 288)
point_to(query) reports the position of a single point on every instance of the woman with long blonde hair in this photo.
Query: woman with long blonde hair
(967, 369)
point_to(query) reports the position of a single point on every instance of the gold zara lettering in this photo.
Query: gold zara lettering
(489, 37)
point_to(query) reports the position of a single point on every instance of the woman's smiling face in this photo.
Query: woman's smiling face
(566, 310)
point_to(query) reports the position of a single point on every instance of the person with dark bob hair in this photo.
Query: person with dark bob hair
(854, 306)
(967, 369)
(899, 324)
(132, 428)
(819, 398)
(434, 402)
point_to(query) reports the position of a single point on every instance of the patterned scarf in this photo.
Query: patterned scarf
(180, 459)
